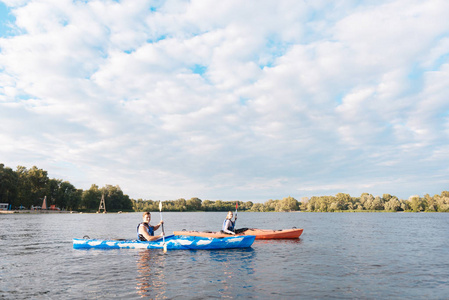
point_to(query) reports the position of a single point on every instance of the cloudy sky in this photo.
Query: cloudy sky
(247, 100)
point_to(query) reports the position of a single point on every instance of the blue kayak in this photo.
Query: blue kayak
(172, 242)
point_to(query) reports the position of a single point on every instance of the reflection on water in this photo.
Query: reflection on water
(232, 268)
(151, 280)
(222, 273)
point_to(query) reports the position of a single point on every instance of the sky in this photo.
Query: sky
(228, 100)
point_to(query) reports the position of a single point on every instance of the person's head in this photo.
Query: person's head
(146, 217)
(229, 216)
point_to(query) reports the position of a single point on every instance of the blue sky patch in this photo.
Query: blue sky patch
(415, 77)
(199, 69)
(274, 49)
(157, 39)
(443, 59)
(6, 19)
(243, 100)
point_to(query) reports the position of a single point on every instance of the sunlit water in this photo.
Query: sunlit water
(339, 256)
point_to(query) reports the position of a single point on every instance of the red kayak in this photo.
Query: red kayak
(261, 234)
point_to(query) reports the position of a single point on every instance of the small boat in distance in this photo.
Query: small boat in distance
(172, 242)
(261, 234)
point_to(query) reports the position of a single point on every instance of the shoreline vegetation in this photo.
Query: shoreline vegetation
(25, 188)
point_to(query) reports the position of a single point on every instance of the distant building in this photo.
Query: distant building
(4, 206)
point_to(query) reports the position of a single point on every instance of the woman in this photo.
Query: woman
(145, 232)
(228, 224)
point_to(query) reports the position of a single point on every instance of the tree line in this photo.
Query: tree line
(338, 203)
(28, 187)
(367, 202)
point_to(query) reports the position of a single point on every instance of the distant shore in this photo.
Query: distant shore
(29, 211)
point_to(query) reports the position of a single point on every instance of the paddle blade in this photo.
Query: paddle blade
(160, 205)
(236, 205)
(165, 248)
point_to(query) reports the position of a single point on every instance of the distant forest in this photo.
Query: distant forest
(28, 187)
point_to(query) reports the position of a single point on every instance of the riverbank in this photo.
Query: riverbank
(29, 211)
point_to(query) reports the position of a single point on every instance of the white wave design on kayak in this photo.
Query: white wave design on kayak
(184, 242)
(95, 243)
(204, 242)
(236, 240)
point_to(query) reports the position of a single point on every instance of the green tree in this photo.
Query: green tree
(220, 205)
(245, 205)
(367, 201)
(194, 204)
(115, 199)
(181, 204)
(416, 203)
(90, 199)
(287, 204)
(343, 200)
(377, 203)
(386, 197)
(69, 197)
(335, 206)
(8, 185)
(208, 205)
(303, 203)
(313, 204)
(38, 180)
(393, 204)
(52, 192)
(257, 207)
(405, 205)
(270, 205)
(24, 195)
(442, 201)
(431, 203)
(145, 205)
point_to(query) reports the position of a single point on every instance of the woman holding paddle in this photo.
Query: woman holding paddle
(228, 224)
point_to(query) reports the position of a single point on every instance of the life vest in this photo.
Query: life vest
(230, 228)
(148, 227)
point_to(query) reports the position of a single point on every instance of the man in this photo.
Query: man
(145, 232)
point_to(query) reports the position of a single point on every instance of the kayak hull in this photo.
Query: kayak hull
(173, 242)
(261, 234)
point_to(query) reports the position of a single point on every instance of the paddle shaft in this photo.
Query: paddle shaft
(235, 216)
(163, 233)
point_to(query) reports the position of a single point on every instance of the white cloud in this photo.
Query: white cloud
(229, 100)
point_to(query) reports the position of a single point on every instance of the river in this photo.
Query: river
(339, 256)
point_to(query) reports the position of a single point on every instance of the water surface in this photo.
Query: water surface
(339, 256)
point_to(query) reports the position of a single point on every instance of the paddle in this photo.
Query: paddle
(235, 216)
(163, 233)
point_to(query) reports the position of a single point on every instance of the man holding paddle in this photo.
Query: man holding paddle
(145, 232)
